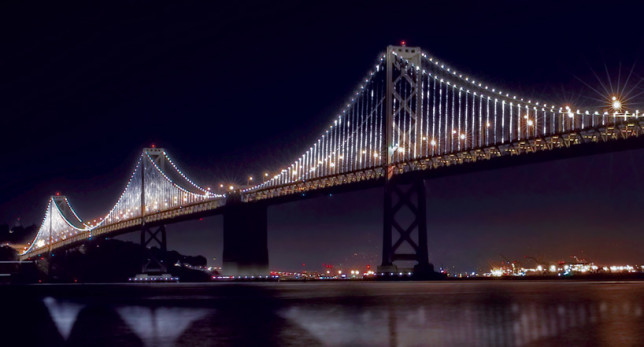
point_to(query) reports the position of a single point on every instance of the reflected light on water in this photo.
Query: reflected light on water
(470, 323)
(494, 313)
(160, 326)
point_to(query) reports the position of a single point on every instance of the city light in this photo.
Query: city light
(576, 268)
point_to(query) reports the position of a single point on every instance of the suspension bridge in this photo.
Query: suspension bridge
(411, 118)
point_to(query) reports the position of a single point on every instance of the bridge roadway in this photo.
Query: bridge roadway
(619, 137)
(626, 136)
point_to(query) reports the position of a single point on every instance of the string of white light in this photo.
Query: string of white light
(167, 157)
(317, 158)
(128, 204)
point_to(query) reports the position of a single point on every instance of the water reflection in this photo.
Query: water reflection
(63, 314)
(368, 314)
(160, 326)
(98, 325)
(472, 324)
(491, 315)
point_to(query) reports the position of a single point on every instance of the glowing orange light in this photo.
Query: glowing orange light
(403, 43)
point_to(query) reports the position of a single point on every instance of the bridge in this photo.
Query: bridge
(411, 118)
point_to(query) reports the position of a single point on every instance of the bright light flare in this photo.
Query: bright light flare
(616, 104)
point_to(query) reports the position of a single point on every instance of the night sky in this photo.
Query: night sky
(237, 90)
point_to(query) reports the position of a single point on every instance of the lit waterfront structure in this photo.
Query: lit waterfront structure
(564, 269)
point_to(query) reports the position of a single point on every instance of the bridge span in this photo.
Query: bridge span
(411, 118)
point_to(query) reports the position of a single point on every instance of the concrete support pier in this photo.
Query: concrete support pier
(245, 239)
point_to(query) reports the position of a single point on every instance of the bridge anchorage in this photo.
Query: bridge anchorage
(412, 118)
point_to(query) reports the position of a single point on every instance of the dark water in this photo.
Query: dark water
(486, 313)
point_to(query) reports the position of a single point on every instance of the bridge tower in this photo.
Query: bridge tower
(410, 234)
(152, 235)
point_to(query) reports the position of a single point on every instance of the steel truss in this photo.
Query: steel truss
(151, 263)
(411, 233)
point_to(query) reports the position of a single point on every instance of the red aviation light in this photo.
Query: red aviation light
(403, 43)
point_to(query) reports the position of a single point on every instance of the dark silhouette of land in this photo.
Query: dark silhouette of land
(106, 260)
(116, 261)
